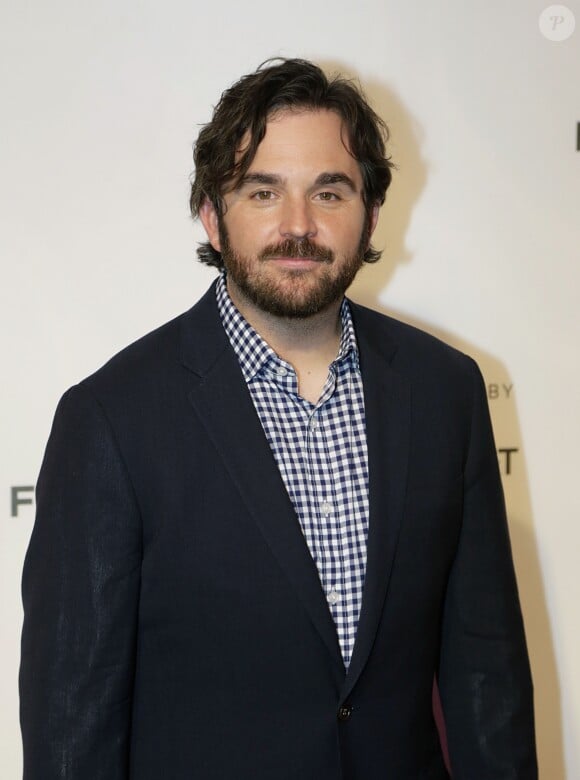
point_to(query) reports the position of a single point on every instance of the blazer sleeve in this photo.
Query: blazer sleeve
(484, 674)
(80, 592)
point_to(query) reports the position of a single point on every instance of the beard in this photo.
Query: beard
(296, 293)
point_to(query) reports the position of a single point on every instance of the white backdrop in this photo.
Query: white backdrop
(99, 105)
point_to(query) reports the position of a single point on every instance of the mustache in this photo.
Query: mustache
(297, 247)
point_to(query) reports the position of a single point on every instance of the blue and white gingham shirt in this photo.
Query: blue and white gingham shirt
(321, 451)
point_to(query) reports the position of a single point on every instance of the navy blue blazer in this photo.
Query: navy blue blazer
(175, 626)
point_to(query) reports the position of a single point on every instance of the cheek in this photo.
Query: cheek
(249, 235)
(344, 240)
(343, 226)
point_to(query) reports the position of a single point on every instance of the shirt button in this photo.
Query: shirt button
(281, 371)
(313, 425)
(333, 597)
(344, 712)
(326, 508)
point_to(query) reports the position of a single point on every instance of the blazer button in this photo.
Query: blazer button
(344, 712)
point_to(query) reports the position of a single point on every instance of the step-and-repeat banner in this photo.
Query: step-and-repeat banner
(100, 105)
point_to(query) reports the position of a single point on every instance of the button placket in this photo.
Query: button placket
(333, 597)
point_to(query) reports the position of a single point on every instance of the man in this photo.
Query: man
(265, 528)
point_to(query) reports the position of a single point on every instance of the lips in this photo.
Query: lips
(295, 262)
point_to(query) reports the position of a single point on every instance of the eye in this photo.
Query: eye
(263, 195)
(327, 196)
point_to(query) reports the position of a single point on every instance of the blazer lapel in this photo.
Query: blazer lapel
(220, 398)
(387, 411)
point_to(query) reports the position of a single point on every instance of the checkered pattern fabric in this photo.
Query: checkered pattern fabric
(321, 452)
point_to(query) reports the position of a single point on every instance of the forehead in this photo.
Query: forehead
(305, 139)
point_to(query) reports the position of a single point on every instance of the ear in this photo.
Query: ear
(373, 219)
(209, 220)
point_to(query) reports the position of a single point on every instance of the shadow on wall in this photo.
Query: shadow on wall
(406, 190)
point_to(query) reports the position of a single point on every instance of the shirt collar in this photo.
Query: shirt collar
(254, 353)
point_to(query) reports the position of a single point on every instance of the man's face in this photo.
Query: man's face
(295, 228)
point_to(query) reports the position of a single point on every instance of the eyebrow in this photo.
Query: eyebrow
(335, 178)
(259, 178)
(272, 179)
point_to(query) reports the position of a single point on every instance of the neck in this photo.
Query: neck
(314, 338)
(309, 344)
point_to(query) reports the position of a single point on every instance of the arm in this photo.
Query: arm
(484, 674)
(80, 592)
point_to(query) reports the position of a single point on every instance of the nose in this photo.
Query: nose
(297, 219)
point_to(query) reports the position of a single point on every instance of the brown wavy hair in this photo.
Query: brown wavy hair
(244, 110)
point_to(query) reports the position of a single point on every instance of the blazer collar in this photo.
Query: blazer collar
(387, 411)
(202, 338)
